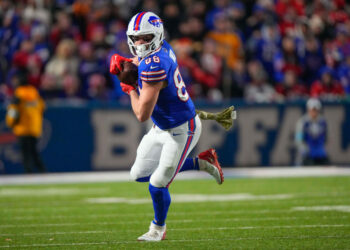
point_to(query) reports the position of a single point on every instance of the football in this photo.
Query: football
(129, 73)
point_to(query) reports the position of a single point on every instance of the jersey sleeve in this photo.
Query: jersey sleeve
(153, 71)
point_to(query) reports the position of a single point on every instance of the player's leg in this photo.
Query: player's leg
(35, 154)
(178, 143)
(190, 164)
(25, 153)
(147, 157)
(206, 161)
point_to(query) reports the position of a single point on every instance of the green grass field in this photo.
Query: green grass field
(285, 213)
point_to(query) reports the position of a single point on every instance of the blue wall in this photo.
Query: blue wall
(105, 136)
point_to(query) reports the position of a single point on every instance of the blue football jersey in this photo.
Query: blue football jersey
(174, 106)
(314, 134)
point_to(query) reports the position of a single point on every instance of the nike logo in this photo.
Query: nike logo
(153, 67)
(176, 134)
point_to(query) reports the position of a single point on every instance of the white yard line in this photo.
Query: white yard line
(117, 176)
(117, 215)
(189, 229)
(69, 206)
(61, 191)
(56, 233)
(198, 240)
(190, 198)
(169, 221)
(340, 208)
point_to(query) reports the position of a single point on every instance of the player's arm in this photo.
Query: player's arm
(299, 132)
(135, 60)
(143, 104)
(12, 114)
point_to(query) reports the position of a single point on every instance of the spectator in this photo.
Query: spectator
(268, 51)
(41, 46)
(291, 89)
(64, 62)
(97, 88)
(27, 58)
(99, 42)
(172, 18)
(311, 136)
(327, 88)
(239, 80)
(25, 116)
(71, 86)
(81, 10)
(219, 7)
(312, 61)
(258, 90)
(37, 12)
(89, 65)
(10, 37)
(184, 49)
(63, 29)
(237, 12)
(344, 74)
(210, 70)
(229, 44)
(290, 55)
(342, 42)
(206, 75)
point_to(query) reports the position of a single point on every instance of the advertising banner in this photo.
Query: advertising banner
(105, 137)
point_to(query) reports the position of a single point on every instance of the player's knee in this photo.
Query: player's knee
(162, 178)
(134, 172)
(155, 181)
(137, 175)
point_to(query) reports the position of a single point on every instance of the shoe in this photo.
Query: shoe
(155, 233)
(211, 165)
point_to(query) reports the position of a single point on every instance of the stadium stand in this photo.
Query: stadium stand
(300, 48)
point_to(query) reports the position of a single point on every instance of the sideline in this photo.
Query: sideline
(118, 176)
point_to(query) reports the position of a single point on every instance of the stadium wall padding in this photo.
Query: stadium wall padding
(104, 136)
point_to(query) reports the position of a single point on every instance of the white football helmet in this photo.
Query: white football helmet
(145, 23)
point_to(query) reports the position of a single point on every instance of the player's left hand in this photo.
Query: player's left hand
(126, 88)
(115, 66)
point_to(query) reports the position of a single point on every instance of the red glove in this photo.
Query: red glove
(127, 88)
(115, 66)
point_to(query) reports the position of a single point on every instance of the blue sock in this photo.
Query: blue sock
(143, 179)
(161, 202)
(190, 164)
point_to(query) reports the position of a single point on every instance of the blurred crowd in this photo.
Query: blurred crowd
(259, 50)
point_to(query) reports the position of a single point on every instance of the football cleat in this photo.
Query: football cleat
(211, 165)
(155, 233)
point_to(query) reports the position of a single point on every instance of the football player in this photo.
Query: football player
(161, 95)
(311, 136)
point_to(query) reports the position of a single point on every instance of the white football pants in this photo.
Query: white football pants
(161, 153)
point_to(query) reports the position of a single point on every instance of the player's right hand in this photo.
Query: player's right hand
(115, 66)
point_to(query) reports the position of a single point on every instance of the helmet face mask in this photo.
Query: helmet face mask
(145, 23)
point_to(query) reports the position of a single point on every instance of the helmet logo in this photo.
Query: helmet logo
(155, 21)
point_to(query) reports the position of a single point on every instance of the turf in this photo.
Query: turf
(60, 217)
